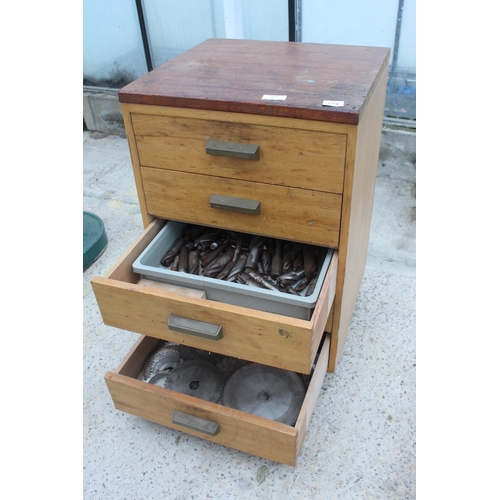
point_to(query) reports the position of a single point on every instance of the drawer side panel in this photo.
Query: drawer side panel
(312, 395)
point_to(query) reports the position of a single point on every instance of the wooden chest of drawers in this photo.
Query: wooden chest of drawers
(267, 138)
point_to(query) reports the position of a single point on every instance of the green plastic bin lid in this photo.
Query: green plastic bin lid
(95, 239)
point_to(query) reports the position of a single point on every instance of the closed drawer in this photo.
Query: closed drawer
(257, 336)
(284, 212)
(306, 159)
(215, 422)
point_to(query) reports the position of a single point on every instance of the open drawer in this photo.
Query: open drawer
(212, 421)
(261, 337)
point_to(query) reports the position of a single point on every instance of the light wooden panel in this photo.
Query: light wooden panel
(288, 157)
(129, 130)
(312, 395)
(258, 336)
(122, 269)
(180, 290)
(239, 430)
(363, 147)
(249, 334)
(287, 213)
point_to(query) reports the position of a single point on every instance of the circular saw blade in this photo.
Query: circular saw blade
(163, 359)
(196, 378)
(191, 353)
(265, 391)
(158, 379)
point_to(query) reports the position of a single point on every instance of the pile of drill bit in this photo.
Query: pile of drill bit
(262, 390)
(269, 263)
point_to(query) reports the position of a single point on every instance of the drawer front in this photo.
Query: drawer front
(262, 337)
(291, 157)
(286, 213)
(234, 428)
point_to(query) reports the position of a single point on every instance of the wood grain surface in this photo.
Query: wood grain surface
(127, 302)
(288, 213)
(239, 430)
(288, 157)
(234, 75)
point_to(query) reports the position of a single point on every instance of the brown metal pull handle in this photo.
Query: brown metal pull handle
(233, 149)
(195, 423)
(240, 205)
(195, 327)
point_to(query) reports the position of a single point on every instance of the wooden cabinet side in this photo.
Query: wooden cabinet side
(134, 156)
(363, 146)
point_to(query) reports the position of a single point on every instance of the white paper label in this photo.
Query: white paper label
(268, 97)
(334, 104)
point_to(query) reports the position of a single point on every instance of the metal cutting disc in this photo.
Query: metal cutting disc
(196, 378)
(191, 353)
(162, 360)
(266, 391)
(158, 379)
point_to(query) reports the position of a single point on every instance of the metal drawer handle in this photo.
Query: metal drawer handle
(195, 327)
(233, 149)
(195, 423)
(240, 205)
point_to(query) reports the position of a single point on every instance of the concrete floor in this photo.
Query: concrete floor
(361, 439)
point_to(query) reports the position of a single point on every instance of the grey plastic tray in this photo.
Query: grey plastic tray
(148, 266)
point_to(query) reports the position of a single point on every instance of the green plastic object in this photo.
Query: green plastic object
(95, 239)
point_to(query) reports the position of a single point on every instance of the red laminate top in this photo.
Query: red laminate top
(234, 75)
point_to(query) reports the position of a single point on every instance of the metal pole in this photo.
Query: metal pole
(144, 34)
(298, 20)
(292, 21)
(396, 38)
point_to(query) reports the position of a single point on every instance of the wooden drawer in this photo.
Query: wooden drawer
(306, 159)
(235, 429)
(284, 212)
(261, 337)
